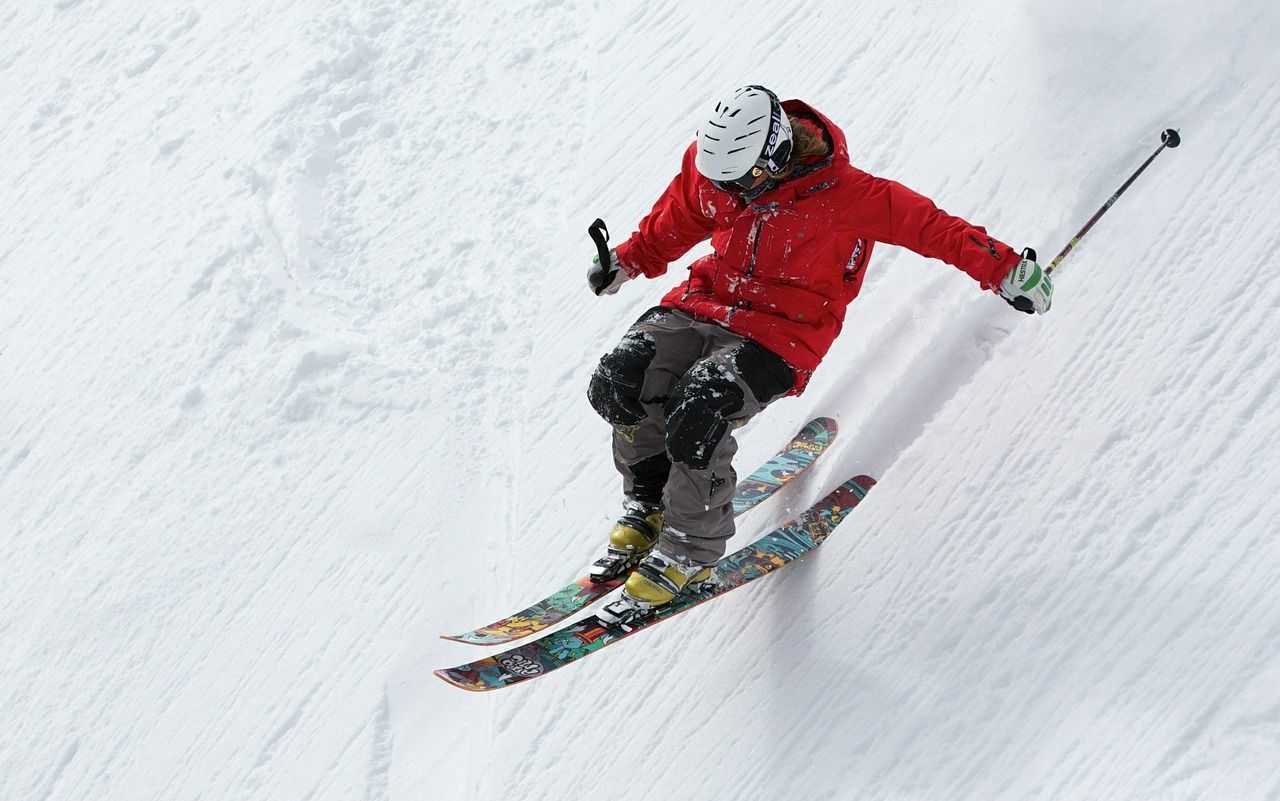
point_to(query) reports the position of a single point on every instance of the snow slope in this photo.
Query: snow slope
(293, 352)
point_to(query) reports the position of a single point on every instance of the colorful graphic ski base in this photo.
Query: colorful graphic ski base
(786, 464)
(560, 648)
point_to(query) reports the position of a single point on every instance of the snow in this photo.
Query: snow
(294, 343)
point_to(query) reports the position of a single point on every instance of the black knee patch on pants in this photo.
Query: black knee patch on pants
(698, 414)
(764, 372)
(615, 387)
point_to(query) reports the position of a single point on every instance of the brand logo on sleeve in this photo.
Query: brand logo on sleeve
(990, 247)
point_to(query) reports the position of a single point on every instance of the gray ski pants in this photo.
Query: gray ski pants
(673, 390)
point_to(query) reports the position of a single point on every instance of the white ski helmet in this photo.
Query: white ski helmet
(746, 130)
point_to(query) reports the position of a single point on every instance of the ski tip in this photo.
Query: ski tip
(443, 675)
(827, 423)
(475, 638)
(459, 638)
(859, 485)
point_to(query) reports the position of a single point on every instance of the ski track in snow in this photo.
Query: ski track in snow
(295, 349)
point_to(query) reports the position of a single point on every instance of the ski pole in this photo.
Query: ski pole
(1169, 138)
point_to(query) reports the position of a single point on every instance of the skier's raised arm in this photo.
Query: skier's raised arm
(904, 217)
(901, 216)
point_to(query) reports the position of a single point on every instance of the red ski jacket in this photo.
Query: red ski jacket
(785, 266)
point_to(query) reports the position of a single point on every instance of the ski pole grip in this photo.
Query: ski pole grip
(599, 233)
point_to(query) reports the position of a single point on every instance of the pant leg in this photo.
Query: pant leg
(630, 387)
(719, 393)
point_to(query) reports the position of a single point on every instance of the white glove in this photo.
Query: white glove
(1028, 288)
(606, 280)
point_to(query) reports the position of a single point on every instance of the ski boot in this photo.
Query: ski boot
(656, 582)
(630, 540)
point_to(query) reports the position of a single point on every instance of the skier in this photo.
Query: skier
(792, 226)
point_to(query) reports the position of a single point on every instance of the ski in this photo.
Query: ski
(788, 463)
(559, 648)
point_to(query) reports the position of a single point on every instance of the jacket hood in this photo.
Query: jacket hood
(801, 109)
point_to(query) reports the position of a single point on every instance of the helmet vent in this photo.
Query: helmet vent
(728, 143)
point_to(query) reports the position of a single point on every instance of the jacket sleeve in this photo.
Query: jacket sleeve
(899, 216)
(676, 223)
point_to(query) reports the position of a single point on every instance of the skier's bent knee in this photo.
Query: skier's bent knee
(698, 414)
(614, 391)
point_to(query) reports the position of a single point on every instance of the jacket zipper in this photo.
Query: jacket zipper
(754, 236)
(755, 244)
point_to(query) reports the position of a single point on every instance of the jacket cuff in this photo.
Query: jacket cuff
(1000, 269)
(631, 260)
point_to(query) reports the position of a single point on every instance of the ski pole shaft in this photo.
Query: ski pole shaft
(1169, 138)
